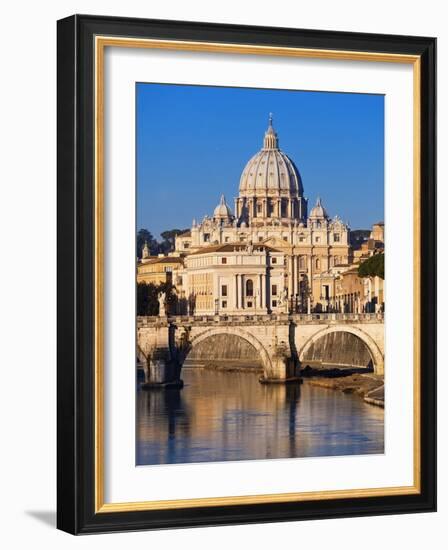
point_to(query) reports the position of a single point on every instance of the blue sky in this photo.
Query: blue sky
(194, 141)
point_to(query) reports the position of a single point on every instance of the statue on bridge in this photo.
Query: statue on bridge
(283, 300)
(162, 302)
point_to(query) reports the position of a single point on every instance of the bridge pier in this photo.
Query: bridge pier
(161, 370)
(158, 355)
(281, 367)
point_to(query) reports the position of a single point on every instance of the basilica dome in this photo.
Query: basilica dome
(222, 211)
(270, 171)
(318, 211)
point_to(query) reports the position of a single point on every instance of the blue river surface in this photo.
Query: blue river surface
(219, 416)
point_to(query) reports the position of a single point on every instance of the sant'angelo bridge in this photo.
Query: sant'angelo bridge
(280, 344)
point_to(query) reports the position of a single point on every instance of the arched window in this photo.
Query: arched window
(249, 287)
(317, 263)
(302, 264)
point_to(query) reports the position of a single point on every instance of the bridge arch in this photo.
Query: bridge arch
(375, 352)
(233, 331)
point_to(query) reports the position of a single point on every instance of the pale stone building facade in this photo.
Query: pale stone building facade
(159, 269)
(234, 278)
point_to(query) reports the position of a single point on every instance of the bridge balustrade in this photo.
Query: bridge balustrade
(260, 318)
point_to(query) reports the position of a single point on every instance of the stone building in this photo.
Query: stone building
(236, 277)
(349, 291)
(377, 233)
(374, 294)
(160, 269)
(271, 220)
(373, 245)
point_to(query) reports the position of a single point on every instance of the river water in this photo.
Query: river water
(221, 416)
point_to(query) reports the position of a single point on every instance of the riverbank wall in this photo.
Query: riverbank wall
(369, 387)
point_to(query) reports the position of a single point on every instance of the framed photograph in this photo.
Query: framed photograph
(246, 274)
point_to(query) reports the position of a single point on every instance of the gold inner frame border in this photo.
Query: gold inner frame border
(100, 43)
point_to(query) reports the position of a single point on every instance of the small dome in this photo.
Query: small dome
(318, 211)
(270, 169)
(222, 210)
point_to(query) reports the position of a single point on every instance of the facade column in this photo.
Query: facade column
(250, 208)
(265, 208)
(310, 279)
(236, 292)
(290, 275)
(377, 293)
(292, 289)
(264, 290)
(216, 293)
(242, 301)
(279, 208)
(296, 276)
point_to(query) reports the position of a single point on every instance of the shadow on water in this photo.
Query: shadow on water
(221, 416)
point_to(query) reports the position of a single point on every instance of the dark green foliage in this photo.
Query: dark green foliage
(148, 298)
(170, 295)
(167, 245)
(156, 247)
(372, 267)
(358, 236)
(143, 235)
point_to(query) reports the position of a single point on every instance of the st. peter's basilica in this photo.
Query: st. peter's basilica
(268, 255)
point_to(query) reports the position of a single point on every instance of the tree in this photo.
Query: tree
(170, 295)
(143, 235)
(358, 236)
(169, 238)
(372, 267)
(147, 299)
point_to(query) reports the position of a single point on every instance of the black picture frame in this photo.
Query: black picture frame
(76, 272)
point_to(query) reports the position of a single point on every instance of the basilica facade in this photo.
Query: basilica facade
(268, 255)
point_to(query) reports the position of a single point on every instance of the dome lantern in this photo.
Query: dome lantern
(270, 136)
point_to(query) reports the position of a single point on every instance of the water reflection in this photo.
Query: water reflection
(231, 416)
